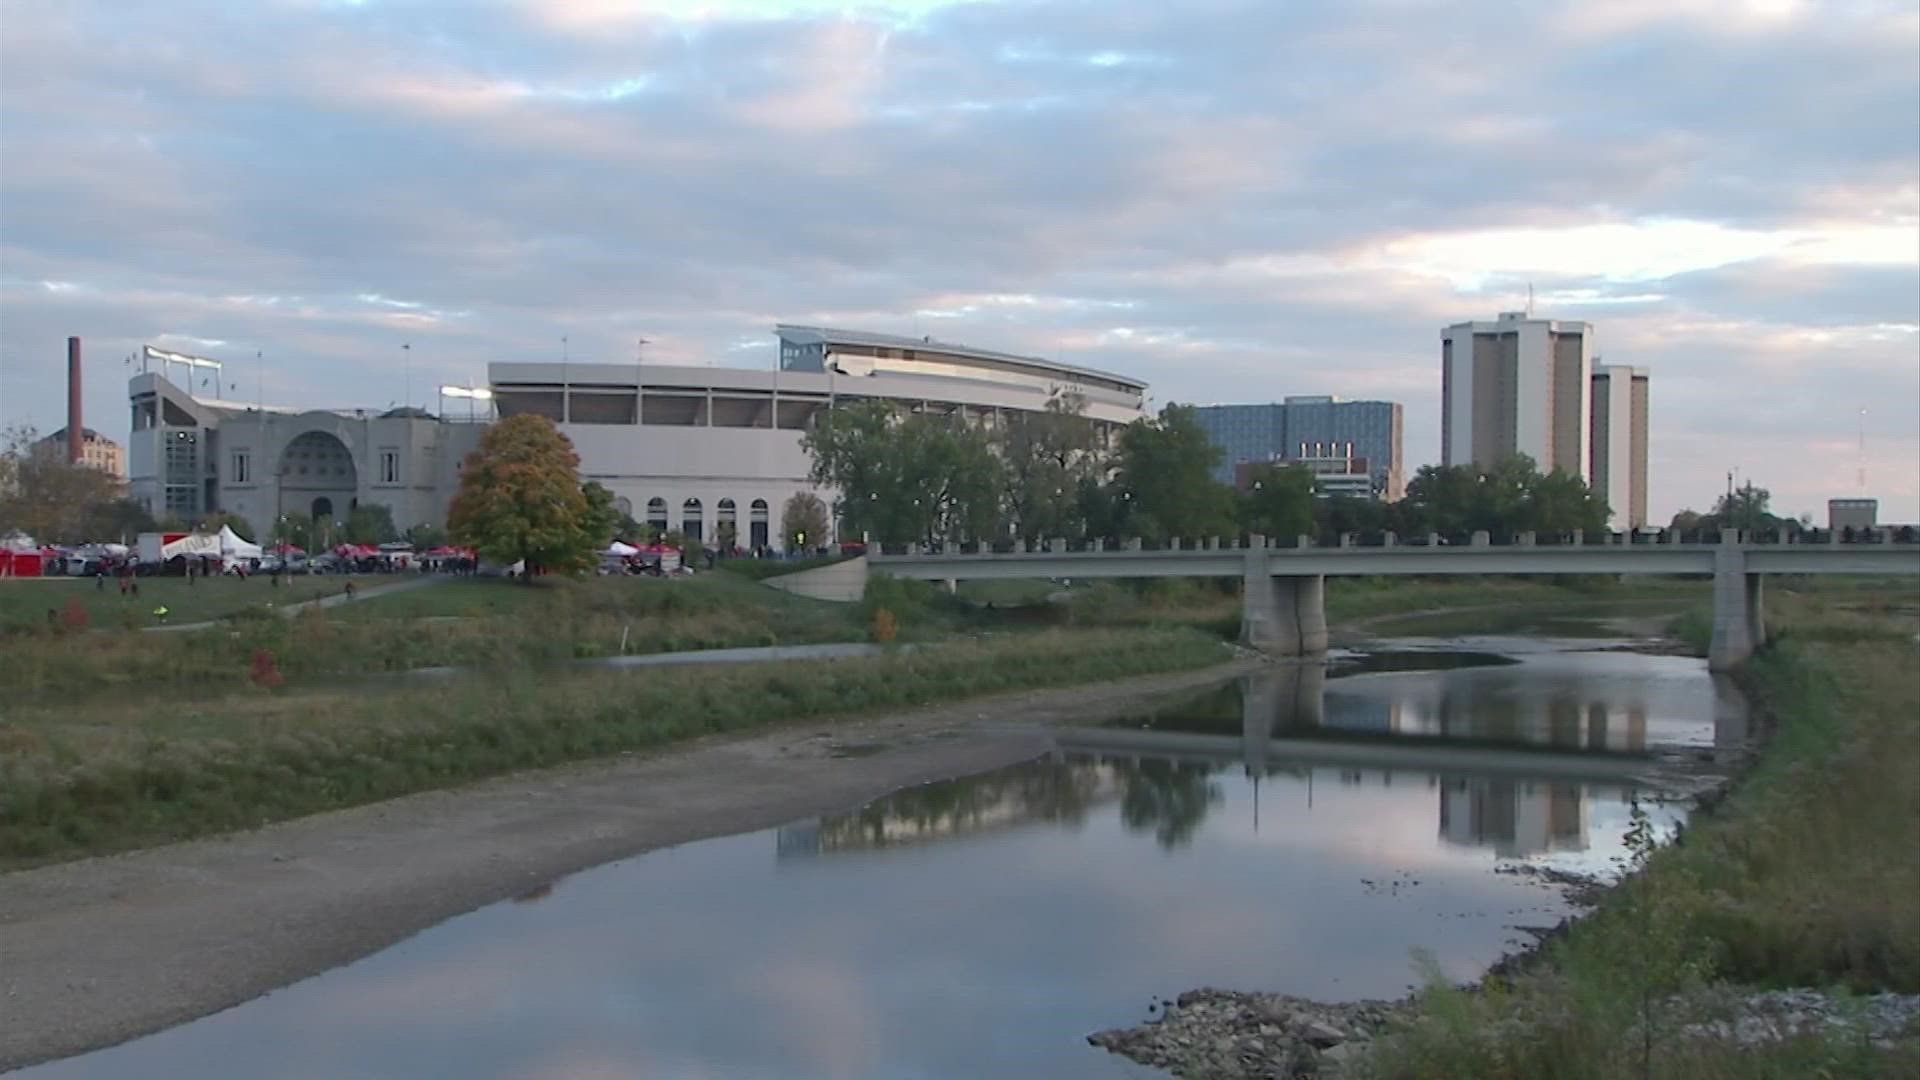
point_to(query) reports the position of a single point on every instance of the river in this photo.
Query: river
(1317, 831)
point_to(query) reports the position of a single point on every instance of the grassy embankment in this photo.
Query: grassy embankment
(129, 774)
(1808, 874)
(25, 602)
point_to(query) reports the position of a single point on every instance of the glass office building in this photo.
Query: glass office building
(1292, 429)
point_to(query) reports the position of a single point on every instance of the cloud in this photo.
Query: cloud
(1236, 200)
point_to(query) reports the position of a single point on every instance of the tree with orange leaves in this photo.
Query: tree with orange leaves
(520, 500)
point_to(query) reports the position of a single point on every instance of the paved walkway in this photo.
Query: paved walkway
(757, 654)
(322, 603)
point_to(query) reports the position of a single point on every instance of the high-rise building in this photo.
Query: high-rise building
(96, 451)
(1618, 471)
(1301, 428)
(1517, 385)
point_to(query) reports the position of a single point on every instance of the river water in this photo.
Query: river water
(1295, 832)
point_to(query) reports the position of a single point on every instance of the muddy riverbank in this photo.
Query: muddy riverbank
(102, 950)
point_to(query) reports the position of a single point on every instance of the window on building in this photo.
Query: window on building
(242, 468)
(389, 466)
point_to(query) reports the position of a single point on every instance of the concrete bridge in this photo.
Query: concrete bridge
(1284, 608)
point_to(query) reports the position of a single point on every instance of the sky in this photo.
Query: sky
(1236, 200)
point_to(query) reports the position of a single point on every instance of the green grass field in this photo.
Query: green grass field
(24, 602)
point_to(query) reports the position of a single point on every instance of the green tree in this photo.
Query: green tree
(1048, 457)
(121, 519)
(371, 523)
(520, 499)
(906, 477)
(1278, 502)
(425, 537)
(46, 496)
(1746, 508)
(803, 521)
(1164, 479)
(213, 522)
(602, 519)
(295, 529)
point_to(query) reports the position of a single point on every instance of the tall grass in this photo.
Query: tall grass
(1807, 875)
(75, 782)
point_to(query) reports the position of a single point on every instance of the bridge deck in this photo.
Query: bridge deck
(1406, 560)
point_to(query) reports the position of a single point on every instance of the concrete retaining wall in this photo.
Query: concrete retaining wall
(842, 583)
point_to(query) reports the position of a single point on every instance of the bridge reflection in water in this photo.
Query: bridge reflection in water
(1514, 763)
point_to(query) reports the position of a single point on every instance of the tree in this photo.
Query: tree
(1278, 502)
(213, 522)
(44, 495)
(1745, 508)
(294, 529)
(907, 477)
(426, 537)
(121, 519)
(1047, 456)
(371, 523)
(1165, 479)
(520, 498)
(602, 519)
(803, 521)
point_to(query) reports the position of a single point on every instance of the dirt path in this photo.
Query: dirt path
(102, 950)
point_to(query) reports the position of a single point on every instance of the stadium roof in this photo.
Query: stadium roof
(829, 336)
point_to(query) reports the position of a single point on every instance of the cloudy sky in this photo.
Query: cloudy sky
(1234, 199)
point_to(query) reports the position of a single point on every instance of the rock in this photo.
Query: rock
(1335, 1059)
(1319, 1033)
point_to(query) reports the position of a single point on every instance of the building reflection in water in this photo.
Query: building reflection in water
(1512, 766)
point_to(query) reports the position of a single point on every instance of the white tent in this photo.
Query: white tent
(192, 545)
(622, 550)
(232, 547)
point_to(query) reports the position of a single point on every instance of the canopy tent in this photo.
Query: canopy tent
(233, 547)
(357, 551)
(193, 545)
(622, 550)
(288, 549)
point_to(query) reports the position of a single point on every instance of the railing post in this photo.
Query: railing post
(1579, 538)
(1346, 539)
(1303, 541)
(1390, 539)
(1133, 543)
(1482, 538)
(1433, 539)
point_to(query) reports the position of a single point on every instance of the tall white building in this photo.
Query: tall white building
(1517, 385)
(1618, 471)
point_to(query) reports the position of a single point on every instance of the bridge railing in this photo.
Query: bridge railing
(1384, 539)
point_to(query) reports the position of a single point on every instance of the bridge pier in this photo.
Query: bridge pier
(1281, 616)
(1286, 698)
(1739, 617)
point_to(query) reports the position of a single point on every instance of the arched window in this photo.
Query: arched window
(657, 514)
(624, 505)
(726, 525)
(757, 532)
(690, 523)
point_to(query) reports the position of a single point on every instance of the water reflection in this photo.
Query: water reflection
(982, 926)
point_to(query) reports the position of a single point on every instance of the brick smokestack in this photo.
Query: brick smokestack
(75, 445)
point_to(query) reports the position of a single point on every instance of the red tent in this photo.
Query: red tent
(20, 563)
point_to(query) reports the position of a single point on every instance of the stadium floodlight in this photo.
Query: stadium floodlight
(477, 393)
(166, 357)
